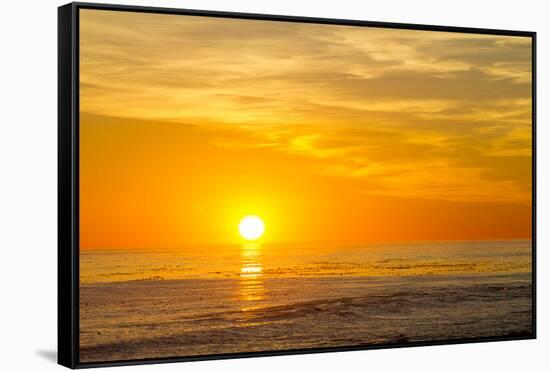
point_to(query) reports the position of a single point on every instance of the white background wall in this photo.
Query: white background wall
(28, 168)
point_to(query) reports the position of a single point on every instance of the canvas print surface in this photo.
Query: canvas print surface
(252, 185)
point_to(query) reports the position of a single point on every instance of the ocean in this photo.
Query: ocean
(251, 297)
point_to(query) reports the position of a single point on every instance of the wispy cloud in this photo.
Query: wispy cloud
(411, 113)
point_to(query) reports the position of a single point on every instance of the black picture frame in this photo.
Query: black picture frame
(68, 178)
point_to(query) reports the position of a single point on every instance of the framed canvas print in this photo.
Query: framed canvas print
(235, 185)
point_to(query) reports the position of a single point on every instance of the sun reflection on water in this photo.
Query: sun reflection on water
(251, 276)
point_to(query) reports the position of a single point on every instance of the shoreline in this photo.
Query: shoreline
(154, 319)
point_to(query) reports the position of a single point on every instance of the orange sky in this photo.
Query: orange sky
(329, 133)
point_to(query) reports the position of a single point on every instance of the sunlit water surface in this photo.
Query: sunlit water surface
(253, 297)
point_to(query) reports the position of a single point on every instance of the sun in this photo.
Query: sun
(251, 227)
